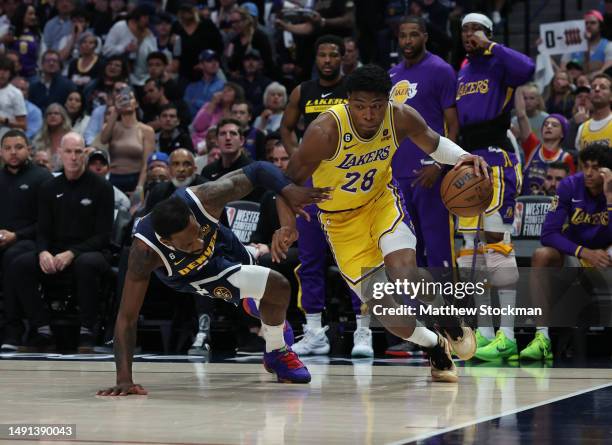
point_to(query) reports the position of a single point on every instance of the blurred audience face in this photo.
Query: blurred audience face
(156, 68)
(163, 28)
(158, 173)
(600, 93)
(14, 56)
(168, 120)
(182, 167)
(64, 7)
(210, 67)
(51, 64)
(241, 113)
(230, 139)
(593, 27)
(98, 166)
(113, 69)
(72, 154)
(213, 155)
(187, 15)
(251, 65)
(279, 156)
(43, 158)
(552, 130)
(561, 82)
(351, 53)
(30, 19)
(54, 117)
(228, 95)
(583, 99)
(411, 41)
(239, 23)
(583, 81)
(275, 101)
(5, 77)
(532, 99)
(22, 85)
(73, 103)
(15, 152)
(88, 45)
(553, 177)
(152, 94)
(328, 61)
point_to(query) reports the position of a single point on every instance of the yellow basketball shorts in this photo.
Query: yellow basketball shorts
(359, 239)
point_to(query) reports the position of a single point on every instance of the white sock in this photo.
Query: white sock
(45, 330)
(508, 332)
(423, 337)
(313, 321)
(485, 322)
(363, 321)
(273, 336)
(543, 331)
(507, 297)
(487, 332)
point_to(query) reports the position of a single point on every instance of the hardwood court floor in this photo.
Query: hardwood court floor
(239, 403)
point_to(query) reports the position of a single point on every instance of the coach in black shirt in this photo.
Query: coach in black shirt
(20, 181)
(75, 222)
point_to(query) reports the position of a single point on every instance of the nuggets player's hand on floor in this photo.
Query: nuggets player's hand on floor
(299, 197)
(480, 165)
(282, 239)
(427, 176)
(123, 389)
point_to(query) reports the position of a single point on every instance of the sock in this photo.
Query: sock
(508, 332)
(487, 332)
(423, 337)
(84, 330)
(273, 336)
(313, 321)
(363, 321)
(45, 330)
(543, 331)
(507, 297)
(485, 322)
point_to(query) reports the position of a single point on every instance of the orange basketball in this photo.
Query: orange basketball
(465, 194)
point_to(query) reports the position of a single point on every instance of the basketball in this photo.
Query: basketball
(464, 193)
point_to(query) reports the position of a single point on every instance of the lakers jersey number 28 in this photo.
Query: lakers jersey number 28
(360, 169)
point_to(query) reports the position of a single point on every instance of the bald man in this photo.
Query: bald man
(182, 174)
(75, 221)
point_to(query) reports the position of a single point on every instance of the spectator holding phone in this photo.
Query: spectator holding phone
(129, 143)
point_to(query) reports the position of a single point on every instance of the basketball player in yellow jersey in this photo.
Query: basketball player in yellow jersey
(350, 148)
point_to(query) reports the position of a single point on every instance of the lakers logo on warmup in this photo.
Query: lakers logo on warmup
(223, 293)
(403, 91)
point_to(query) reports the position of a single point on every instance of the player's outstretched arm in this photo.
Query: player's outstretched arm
(142, 261)
(235, 185)
(410, 124)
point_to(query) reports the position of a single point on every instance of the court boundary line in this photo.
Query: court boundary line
(497, 416)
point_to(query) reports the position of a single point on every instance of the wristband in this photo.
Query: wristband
(447, 152)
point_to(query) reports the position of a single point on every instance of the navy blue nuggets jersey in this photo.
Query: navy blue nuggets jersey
(207, 273)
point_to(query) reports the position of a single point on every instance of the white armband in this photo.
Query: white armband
(447, 152)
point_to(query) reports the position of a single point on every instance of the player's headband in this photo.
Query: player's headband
(481, 19)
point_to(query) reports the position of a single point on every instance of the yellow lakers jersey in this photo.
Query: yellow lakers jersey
(360, 169)
(588, 136)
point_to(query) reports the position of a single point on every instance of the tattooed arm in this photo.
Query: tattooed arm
(142, 261)
(215, 194)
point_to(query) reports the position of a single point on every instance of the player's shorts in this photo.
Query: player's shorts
(222, 276)
(507, 180)
(360, 238)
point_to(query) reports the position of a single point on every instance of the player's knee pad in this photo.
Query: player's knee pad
(470, 268)
(502, 270)
(251, 280)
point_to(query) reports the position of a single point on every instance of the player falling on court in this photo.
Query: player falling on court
(182, 242)
(349, 148)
